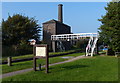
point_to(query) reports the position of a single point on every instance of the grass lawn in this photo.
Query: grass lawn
(98, 68)
(29, 64)
(31, 55)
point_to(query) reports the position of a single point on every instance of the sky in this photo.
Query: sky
(57, 0)
(81, 16)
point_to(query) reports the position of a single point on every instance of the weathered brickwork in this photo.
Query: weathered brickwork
(54, 27)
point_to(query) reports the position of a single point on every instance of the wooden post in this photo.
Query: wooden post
(106, 52)
(9, 61)
(40, 52)
(97, 49)
(34, 63)
(47, 62)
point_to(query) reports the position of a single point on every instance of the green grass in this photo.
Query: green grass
(98, 68)
(18, 57)
(29, 64)
(31, 55)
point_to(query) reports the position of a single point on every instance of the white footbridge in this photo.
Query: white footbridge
(93, 37)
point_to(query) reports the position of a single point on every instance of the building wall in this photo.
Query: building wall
(62, 28)
(48, 30)
(55, 28)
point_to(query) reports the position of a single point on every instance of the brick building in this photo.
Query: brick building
(54, 27)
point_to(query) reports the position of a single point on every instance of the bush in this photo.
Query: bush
(110, 52)
(21, 50)
(25, 49)
(8, 51)
(81, 44)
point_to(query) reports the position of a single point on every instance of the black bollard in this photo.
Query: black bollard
(39, 67)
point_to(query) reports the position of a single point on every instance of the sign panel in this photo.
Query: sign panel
(41, 51)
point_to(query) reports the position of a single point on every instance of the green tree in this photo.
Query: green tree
(110, 28)
(17, 30)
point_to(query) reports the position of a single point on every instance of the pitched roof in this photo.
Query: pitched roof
(50, 21)
(54, 21)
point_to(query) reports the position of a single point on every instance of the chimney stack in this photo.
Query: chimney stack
(60, 16)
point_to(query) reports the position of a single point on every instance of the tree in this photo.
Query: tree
(110, 28)
(0, 34)
(18, 29)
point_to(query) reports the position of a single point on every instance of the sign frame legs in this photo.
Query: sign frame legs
(37, 57)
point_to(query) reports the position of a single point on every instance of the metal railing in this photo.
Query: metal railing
(93, 37)
(68, 37)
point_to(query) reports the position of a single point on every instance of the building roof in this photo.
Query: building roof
(54, 21)
(50, 21)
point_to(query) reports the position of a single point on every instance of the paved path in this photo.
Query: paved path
(30, 69)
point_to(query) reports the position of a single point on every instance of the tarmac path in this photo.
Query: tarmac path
(30, 69)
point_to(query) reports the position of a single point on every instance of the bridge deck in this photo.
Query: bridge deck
(73, 36)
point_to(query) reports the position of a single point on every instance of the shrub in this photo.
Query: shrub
(21, 50)
(8, 51)
(110, 52)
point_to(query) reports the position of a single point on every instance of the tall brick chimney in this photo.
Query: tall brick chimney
(60, 16)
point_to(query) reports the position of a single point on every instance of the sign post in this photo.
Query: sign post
(40, 51)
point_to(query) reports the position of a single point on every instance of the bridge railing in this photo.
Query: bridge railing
(91, 44)
(73, 36)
